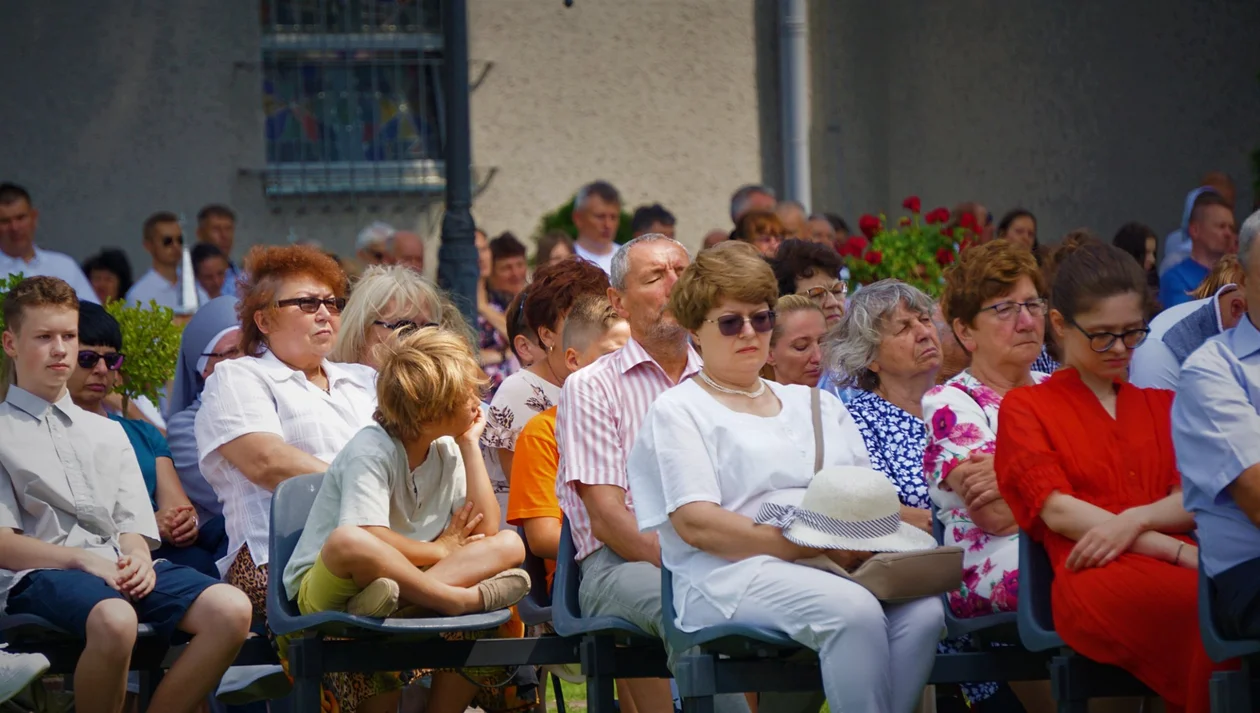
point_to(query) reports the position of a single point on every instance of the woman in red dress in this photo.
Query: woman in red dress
(1085, 461)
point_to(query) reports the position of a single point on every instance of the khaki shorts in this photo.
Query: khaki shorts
(321, 590)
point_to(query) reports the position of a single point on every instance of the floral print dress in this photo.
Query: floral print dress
(962, 418)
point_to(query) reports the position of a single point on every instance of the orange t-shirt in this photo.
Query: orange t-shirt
(534, 465)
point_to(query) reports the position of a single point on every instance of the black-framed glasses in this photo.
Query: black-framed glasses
(228, 354)
(1009, 310)
(88, 359)
(1104, 341)
(839, 290)
(168, 240)
(731, 325)
(311, 305)
(406, 325)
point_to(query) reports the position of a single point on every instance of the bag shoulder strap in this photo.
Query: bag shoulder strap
(815, 407)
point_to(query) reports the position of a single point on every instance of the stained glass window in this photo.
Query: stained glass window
(352, 93)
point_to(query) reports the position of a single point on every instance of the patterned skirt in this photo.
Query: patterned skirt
(344, 692)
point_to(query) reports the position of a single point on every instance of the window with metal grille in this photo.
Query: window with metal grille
(352, 93)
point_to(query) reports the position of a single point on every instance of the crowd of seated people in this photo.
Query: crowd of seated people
(660, 402)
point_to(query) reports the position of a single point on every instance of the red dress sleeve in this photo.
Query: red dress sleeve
(1028, 467)
(1160, 402)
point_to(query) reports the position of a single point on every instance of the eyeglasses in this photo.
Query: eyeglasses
(1009, 310)
(406, 325)
(88, 359)
(229, 354)
(311, 305)
(168, 240)
(838, 290)
(731, 325)
(1104, 341)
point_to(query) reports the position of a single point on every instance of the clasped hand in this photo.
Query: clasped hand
(133, 576)
(1104, 542)
(977, 481)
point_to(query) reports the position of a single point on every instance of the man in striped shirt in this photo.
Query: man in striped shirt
(601, 409)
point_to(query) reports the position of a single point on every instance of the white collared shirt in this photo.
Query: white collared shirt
(51, 264)
(152, 286)
(264, 395)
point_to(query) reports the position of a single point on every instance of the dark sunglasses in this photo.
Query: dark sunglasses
(731, 325)
(311, 305)
(167, 240)
(88, 359)
(406, 325)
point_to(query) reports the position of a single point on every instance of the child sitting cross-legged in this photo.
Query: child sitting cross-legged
(406, 515)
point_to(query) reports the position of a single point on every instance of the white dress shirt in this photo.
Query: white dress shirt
(604, 261)
(152, 286)
(264, 395)
(50, 264)
(693, 449)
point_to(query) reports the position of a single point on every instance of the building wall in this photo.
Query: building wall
(1089, 114)
(116, 110)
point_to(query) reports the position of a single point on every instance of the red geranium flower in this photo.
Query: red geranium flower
(968, 221)
(856, 245)
(912, 204)
(869, 225)
(874, 257)
(939, 215)
(944, 256)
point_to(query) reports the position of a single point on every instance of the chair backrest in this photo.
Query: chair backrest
(1036, 617)
(1219, 647)
(290, 506)
(565, 610)
(535, 608)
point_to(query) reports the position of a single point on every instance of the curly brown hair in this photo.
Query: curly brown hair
(982, 273)
(266, 268)
(557, 286)
(732, 270)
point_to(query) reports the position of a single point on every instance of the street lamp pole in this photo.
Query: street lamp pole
(457, 258)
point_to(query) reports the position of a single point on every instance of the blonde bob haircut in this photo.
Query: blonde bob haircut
(387, 293)
(732, 270)
(425, 377)
(790, 304)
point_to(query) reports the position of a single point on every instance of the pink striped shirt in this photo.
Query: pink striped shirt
(601, 409)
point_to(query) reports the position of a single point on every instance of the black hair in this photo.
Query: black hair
(215, 210)
(646, 216)
(837, 223)
(98, 328)
(111, 260)
(803, 258)
(506, 246)
(205, 251)
(1131, 238)
(1088, 272)
(12, 193)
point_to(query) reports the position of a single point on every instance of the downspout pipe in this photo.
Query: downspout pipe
(794, 86)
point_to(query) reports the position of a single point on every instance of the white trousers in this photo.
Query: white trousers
(874, 658)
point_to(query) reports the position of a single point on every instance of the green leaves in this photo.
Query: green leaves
(7, 284)
(562, 219)
(151, 343)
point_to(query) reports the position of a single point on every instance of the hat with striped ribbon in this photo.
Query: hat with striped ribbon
(847, 508)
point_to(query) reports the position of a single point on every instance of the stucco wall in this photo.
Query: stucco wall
(1089, 114)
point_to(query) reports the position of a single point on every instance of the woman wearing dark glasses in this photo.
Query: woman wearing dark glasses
(99, 362)
(1086, 462)
(387, 299)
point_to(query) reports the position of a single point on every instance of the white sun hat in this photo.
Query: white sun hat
(848, 508)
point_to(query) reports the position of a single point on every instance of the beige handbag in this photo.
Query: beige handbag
(891, 576)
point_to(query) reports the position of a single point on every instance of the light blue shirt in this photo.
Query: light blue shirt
(1154, 364)
(50, 264)
(1216, 431)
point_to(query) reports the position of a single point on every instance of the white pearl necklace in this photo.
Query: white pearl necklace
(761, 387)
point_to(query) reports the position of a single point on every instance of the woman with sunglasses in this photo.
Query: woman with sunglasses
(718, 446)
(387, 299)
(1086, 463)
(100, 360)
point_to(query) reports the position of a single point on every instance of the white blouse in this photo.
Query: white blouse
(264, 395)
(693, 449)
(519, 398)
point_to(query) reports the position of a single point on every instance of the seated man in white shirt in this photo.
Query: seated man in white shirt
(76, 526)
(18, 254)
(164, 241)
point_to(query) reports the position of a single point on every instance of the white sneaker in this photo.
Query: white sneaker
(17, 671)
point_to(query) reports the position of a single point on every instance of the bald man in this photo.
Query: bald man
(407, 249)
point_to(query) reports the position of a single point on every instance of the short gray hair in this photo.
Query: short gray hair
(621, 259)
(854, 343)
(739, 199)
(602, 189)
(1247, 236)
(378, 232)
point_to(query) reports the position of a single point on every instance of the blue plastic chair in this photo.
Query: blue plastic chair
(1074, 679)
(535, 608)
(311, 654)
(982, 628)
(1230, 690)
(602, 662)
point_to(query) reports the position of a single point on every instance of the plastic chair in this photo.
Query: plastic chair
(535, 608)
(365, 647)
(998, 626)
(602, 662)
(1230, 690)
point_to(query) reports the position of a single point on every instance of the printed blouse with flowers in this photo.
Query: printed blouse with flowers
(962, 419)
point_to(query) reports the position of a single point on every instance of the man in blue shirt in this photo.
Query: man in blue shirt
(1211, 231)
(1216, 424)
